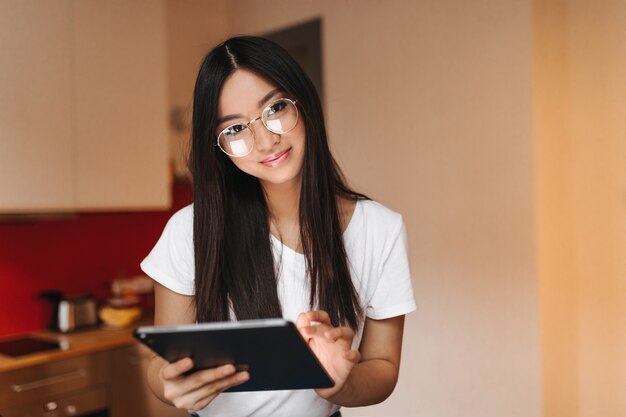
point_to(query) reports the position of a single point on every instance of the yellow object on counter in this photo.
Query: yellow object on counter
(119, 317)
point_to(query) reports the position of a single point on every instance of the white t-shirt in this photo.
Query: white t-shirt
(376, 245)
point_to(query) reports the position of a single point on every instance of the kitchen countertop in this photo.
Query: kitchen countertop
(80, 343)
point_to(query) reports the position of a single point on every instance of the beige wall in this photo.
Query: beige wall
(580, 125)
(497, 129)
(429, 110)
(193, 27)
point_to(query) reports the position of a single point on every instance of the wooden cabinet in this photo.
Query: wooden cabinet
(110, 381)
(77, 385)
(130, 395)
(120, 104)
(83, 106)
(36, 152)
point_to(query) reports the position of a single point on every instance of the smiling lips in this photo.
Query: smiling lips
(276, 159)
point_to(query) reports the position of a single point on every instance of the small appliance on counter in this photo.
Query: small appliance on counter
(71, 313)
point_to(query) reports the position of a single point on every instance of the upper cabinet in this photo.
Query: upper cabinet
(120, 73)
(83, 108)
(36, 121)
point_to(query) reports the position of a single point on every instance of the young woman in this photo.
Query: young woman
(274, 231)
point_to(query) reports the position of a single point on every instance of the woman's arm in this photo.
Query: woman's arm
(373, 379)
(361, 378)
(170, 309)
(166, 380)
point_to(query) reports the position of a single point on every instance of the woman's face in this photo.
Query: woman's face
(275, 158)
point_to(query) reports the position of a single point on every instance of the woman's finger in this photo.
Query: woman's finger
(318, 330)
(332, 334)
(316, 316)
(176, 369)
(352, 355)
(176, 390)
(205, 377)
(201, 397)
(337, 333)
(302, 321)
(319, 316)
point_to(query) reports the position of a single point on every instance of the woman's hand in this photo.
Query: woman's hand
(195, 391)
(331, 345)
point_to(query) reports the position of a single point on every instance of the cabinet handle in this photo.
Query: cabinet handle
(79, 373)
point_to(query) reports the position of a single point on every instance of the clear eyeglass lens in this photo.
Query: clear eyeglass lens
(280, 116)
(236, 140)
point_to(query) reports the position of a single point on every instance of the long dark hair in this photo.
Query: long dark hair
(234, 264)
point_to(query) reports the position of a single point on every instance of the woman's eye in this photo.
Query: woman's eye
(234, 129)
(277, 107)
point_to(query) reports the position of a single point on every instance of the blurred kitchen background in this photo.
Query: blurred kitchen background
(497, 128)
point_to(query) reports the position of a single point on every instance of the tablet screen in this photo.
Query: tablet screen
(271, 350)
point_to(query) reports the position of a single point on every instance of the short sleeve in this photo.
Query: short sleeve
(171, 261)
(394, 293)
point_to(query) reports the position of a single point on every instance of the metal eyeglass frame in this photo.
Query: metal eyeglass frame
(264, 124)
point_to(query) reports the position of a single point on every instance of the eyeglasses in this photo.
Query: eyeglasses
(279, 117)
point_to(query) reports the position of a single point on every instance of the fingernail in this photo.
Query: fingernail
(242, 376)
(228, 369)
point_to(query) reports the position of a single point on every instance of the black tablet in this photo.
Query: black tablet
(271, 350)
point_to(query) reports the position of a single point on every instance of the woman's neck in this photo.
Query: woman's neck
(283, 201)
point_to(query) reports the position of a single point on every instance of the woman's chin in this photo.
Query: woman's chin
(279, 179)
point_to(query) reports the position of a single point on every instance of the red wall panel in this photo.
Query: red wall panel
(78, 254)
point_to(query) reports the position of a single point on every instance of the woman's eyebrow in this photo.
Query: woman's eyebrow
(260, 103)
(269, 95)
(227, 118)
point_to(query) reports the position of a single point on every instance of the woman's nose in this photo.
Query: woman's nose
(265, 139)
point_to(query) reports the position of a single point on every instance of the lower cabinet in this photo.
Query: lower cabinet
(90, 403)
(104, 384)
(78, 386)
(130, 394)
